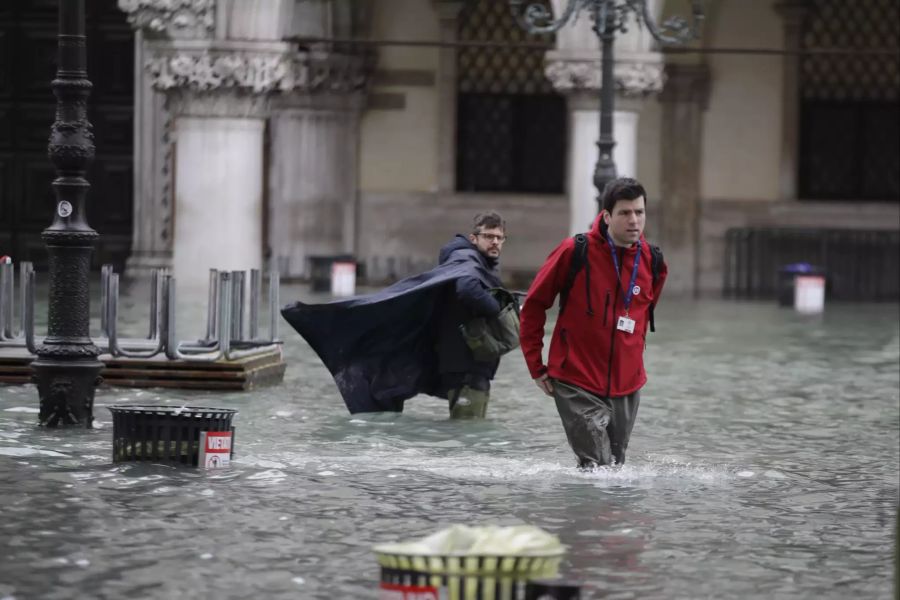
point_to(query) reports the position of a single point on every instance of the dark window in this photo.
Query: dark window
(28, 55)
(850, 150)
(511, 124)
(849, 112)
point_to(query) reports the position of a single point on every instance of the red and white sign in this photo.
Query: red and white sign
(396, 591)
(215, 449)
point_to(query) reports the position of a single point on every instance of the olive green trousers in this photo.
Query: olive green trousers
(468, 403)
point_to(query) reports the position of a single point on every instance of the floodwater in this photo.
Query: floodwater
(764, 464)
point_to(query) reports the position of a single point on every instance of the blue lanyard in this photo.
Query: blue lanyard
(627, 294)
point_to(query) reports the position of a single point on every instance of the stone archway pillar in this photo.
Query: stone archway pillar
(684, 99)
(213, 79)
(574, 70)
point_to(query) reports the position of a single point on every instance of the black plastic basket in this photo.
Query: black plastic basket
(166, 434)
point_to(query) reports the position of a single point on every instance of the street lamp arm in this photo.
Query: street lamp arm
(537, 18)
(609, 17)
(674, 30)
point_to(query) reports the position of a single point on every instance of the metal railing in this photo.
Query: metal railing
(859, 265)
(229, 335)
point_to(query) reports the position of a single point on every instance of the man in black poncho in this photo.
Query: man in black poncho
(465, 381)
(386, 347)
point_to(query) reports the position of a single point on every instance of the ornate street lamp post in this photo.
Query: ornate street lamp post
(67, 370)
(608, 17)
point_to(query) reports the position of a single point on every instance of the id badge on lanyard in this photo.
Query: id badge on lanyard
(624, 322)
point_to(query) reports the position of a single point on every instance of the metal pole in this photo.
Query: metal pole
(274, 285)
(237, 306)
(255, 283)
(605, 170)
(7, 279)
(25, 269)
(105, 272)
(67, 371)
(154, 304)
(212, 305)
(608, 16)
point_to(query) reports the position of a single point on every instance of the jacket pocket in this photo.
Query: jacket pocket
(565, 343)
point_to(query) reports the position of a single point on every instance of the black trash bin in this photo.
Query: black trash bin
(787, 276)
(166, 434)
(320, 269)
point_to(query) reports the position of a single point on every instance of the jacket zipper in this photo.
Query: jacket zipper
(605, 308)
(612, 340)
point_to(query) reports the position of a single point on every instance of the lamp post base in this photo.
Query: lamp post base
(66, 390)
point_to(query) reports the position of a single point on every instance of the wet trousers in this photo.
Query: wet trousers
(468, 403)
(468, 394)
(598, 429)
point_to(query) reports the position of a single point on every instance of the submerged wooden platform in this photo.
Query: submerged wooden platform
(242, 374)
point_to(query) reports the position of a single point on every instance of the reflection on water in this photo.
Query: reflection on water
(764, 464)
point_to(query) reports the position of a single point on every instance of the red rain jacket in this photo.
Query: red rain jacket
(580, 346)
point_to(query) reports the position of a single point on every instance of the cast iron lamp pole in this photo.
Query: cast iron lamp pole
(608, 17)
(67, 370)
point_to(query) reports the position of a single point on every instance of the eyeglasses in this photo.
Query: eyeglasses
(492, 237)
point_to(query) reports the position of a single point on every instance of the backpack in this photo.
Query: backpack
(579, 260)
(491, 338)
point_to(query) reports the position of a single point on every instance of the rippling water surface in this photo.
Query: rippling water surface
(764, 464)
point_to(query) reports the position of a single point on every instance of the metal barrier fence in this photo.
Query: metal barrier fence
(229, 335)
(858, 265)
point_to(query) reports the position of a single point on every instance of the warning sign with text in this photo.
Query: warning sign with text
(215, 449)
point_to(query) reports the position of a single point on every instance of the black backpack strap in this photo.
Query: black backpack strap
(656, 261)
(587, 277)
(579, 255)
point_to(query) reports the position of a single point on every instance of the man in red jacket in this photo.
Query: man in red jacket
(596, 365)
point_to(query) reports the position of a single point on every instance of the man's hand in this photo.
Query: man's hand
(543, 382)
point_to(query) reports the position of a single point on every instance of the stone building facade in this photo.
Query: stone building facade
(267, 132)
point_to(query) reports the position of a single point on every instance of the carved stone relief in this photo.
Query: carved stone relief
(633, 79)
(176, 19)
(258, 72)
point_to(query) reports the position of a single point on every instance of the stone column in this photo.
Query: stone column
(574, 69)
(684, 99)
(448, 13)
(218, 195)
(584, 119)
(151, 245)
(313, 179)
(218, 95)
(217, 184)
(154, 21)
(793, 13)
(314, 143)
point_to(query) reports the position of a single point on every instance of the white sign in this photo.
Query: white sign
(809, 293)
(215, 449)
(64, 208)
(343, 278)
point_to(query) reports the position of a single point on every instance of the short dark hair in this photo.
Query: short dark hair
(623, 188)
(488, 220)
